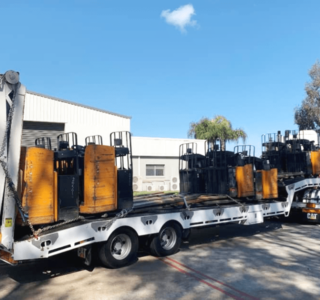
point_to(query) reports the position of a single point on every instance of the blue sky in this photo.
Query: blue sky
(246, 60)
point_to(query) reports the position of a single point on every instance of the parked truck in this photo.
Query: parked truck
(79, 197)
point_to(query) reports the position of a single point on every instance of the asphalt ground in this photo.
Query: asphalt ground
(273, 260)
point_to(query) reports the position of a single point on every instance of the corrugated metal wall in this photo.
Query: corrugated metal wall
(85, 121)
(33, 130)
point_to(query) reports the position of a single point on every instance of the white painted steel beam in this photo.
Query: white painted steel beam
(3, 120)
(13, 156)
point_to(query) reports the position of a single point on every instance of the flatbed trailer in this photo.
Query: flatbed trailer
(159, 221)
(148, 219)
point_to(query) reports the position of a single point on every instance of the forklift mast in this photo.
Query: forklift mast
(191, 165)
(121, 141)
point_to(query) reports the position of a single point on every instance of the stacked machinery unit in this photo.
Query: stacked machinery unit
(218, 169)
(297, 154)
(68, 161)
(99, 178)
(191, 165)
(272, 150)
(238, 174)
(38, 185)
(291, 154)
(60, 185)
(295, 157)
(121, 141)
(244, 161)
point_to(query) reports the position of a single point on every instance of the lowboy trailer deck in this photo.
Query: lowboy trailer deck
(163, 220)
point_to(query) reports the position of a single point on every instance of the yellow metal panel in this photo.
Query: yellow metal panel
(312, 211)
(38, 194)
(315, 162)
(244, 177)
(22, 165)
(270, 183)
(100, 180)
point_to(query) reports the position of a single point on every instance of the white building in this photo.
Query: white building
(156, 162)
(46, 116)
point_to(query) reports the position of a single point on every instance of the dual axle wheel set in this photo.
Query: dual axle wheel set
(122, 247)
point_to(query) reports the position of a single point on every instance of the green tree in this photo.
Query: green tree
(219, 128)
(307, 116)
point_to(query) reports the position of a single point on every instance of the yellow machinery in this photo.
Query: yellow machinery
(38, 182)
(315, 162)
(244, 178)
(269, 183)
(39, 186)
(22, 164)
(100, 180)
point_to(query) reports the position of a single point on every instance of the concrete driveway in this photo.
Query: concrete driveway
(274, 260)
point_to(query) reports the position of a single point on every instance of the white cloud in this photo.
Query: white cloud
(180, 17)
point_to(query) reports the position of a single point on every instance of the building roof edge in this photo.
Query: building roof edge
(77, 104)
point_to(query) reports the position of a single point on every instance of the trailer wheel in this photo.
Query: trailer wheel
(168, 241)
(186, 234)
(120, 250)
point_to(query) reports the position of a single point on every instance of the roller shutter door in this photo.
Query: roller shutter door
(33, 130)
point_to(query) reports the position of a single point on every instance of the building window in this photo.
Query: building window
(154, 170)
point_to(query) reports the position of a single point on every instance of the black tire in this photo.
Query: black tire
(120, 250)
(186, 234)
(168, 241)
